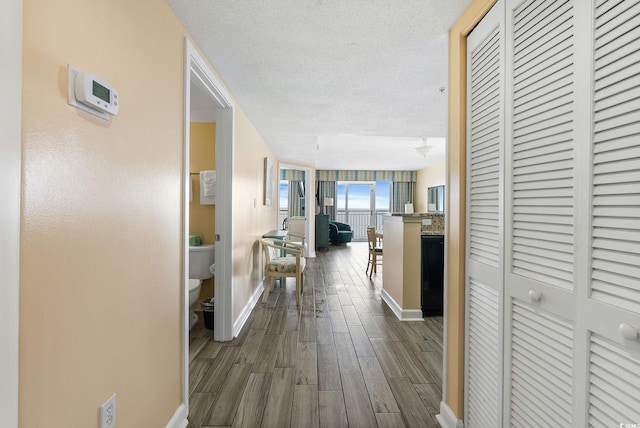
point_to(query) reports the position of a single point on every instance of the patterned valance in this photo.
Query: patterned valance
(345, 175)
(291, 174)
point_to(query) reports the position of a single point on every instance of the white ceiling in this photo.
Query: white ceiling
(333, 84)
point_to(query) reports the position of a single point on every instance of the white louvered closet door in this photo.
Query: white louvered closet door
(612, 303)
(570, 306)
(540, 247)
(484, 295)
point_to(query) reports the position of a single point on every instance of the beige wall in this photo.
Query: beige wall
(251, 219)
(202, 156)
(455, 202)
(433, 175)
(100, 307)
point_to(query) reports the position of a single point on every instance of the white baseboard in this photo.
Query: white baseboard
(179, 418)
(244, 315)
(447, 419)
(402, 314)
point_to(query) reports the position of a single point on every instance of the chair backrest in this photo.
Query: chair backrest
(371, 237)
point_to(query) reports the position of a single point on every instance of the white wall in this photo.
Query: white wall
(10, 144)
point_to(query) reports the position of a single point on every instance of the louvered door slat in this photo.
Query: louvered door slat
(618, 22)
(542, 361)
(614, 384)
(482, 355)
(483, 340)
(485, 135)
(541, 133)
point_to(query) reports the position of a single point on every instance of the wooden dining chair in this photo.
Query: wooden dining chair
(375, 251)
(283, 259)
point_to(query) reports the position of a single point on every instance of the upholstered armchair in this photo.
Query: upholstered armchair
(339, 233)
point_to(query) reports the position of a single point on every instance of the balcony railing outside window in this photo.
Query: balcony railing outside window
(358, 220)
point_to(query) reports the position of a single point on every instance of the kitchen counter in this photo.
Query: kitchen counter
(432, 232)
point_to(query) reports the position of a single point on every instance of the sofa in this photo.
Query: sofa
(339, 233)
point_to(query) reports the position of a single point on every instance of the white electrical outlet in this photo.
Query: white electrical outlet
(426, 222)
(108, 413)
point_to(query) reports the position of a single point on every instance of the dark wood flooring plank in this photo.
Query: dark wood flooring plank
(372, 328)
(328, 371)
(307, 328)
(209, 350)
(197, 370)
(389, 363)
(333, 413)
(338, 323)
(249, 349)
(412, 407)
(307, 364)
(276, 323)
(277, 412)
(382, 399)
(347, 359)
(431, 396)
(305, 412)
(254, 399)
(218, 370)
(224, 409)
(199, 405)
(356, 400)
(351, 315)
(410, 362)
(432, 364)
(266, 358)
(324, 331)
(361, 342)
(288, 350)
(390, 420)
(195, 346)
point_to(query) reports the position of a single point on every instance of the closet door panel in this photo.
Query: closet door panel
(483, 338)
(613, 299)
(614, 384)
(615, 272)
(540, 214)
(540, 142)
(541, 374)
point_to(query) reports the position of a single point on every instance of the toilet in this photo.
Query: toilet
(201, 266)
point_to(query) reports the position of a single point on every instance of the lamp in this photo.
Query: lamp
(424, 149)
(327, 202)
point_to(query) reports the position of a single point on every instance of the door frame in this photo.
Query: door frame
(198, 72)
(10, 186)
(310, 219)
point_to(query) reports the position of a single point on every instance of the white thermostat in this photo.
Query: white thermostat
(92, 94)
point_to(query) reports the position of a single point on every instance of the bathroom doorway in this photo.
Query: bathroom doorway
(211, 100)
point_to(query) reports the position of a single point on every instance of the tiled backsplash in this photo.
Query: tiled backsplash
(437, 222)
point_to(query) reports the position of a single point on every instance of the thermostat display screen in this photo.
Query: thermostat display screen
(100, 92)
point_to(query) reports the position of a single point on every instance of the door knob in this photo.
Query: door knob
(535, 295)
(628, 332)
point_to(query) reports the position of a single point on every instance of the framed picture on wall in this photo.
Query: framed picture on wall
(268, 181)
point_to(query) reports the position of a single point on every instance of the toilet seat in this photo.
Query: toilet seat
(193, 284)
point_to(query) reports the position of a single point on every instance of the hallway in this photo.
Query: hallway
(342, 359)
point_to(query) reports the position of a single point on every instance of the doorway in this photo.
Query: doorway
(200, 78)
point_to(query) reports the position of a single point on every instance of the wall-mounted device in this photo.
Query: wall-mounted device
(92, 94)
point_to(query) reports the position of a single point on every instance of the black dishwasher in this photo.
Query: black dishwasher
(432, 275)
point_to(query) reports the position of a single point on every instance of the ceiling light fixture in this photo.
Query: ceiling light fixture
(424, 149)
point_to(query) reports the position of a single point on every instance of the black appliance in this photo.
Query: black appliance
(432, 275)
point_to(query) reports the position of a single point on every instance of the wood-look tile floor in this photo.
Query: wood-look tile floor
(342, 359)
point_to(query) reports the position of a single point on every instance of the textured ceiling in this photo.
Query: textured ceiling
(334, 84)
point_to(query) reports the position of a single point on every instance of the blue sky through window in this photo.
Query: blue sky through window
(359, 197)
